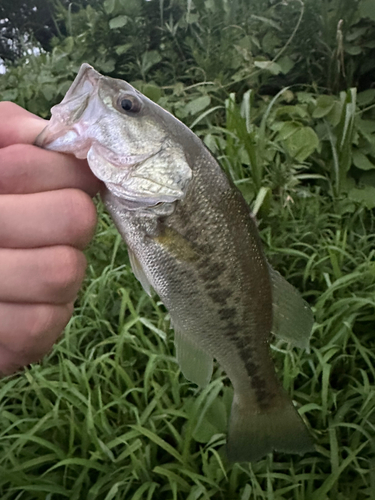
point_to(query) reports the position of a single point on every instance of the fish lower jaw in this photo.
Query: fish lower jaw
(71, 142)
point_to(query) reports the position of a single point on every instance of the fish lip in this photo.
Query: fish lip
(86, 72)
(59, 137)
(58, 128)
(48, 136)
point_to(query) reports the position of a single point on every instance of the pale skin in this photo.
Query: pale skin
(47, 218)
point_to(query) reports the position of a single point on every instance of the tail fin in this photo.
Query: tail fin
(254, 434)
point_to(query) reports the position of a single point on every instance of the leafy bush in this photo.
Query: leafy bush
(265, 45)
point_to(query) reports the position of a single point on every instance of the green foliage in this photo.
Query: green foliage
(297, 137)
(265, 45)
(107, 414)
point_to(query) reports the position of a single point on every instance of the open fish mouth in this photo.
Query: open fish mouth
(58, 136)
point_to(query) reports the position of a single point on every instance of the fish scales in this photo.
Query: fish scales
(192, 239)
(224, 276)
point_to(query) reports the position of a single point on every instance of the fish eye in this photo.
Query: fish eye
(129, 103)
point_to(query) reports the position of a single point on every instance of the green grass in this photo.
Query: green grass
(107, 415)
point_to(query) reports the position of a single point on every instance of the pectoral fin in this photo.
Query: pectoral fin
(139, 272)
(196, 365)
(292, 316)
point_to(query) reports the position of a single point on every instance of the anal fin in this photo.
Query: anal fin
(195, 364)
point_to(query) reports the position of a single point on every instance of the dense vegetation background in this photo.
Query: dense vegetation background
(283, 93)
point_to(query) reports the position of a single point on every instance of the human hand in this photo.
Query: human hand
(46, 219)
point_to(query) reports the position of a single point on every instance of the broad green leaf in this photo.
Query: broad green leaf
(214, 143)
(355, 33)
(112, 492)
(270, 42)
(49, 91)
(346, 133)
(302, 143)
(197, 105)
(151, 91)
(211, 5)
(153, 328)
(368, 178)
(286, 64)
(353, 50)
(361, 161)
(287, 129)
(121, 49)
(366, 126)
(173, 478)
(270, 66)
(149, 59)
(192, 17)
(306, 98)
(131, 8)
(365, 195)
(158, 441)
(334, 115)
(244, 42)
(367, 9)
(109, 6)
(69, 45)
(324, 104)
(139, 494)
(246, 494)
(46, 78)
(105, 65)
(366, 97)
(292, 111)
(118, 22)
(9, 95)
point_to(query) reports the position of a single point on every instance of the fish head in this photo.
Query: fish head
(129, 141)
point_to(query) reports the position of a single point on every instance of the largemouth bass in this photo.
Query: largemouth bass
(192, 239)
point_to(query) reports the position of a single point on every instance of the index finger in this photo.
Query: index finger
(28, 169)
(18, 125)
